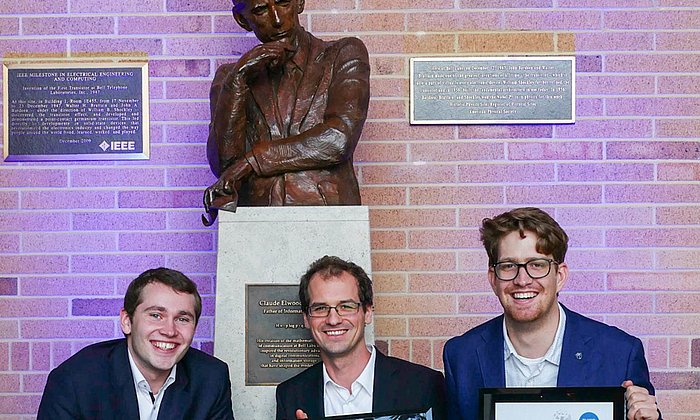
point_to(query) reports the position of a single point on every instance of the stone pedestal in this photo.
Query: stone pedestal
(274, 245)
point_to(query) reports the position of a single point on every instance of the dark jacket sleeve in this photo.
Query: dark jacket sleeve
(59, 401)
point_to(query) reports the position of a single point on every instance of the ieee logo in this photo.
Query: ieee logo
(118, 145)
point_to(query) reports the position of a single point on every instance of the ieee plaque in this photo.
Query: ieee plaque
(492, 90)
(75, 111)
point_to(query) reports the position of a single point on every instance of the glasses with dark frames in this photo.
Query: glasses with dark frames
(536, 268)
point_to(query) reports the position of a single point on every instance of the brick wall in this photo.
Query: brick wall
(623, 180)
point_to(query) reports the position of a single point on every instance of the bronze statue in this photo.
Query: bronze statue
(285, 118)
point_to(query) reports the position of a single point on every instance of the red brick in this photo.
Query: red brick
(653, 150)
(389, 327)
(684, 302)
(68, 242)
(505, 131)
(415, 304)
(479, 304)
(29, 308)
(95, 6)
(679, 171)
(676, 380)
(170, 241)
(580, 19)
(589, 107)
(679, 354)
(406, 4)
(358, 22)
(389, 283)
(657, 19)
(411, 217)
(597, 216)
(413, 261)
(400, 349)
(410, 44)
(387, 65)
(68, 199)
(627, 128)
(383, 196)
(19, 404)
(502, 4)
(453, 21)
(444, 326)
(662, 237)
(473, 260)
(380, 152)
(422, 352)
(656, 353)
(682, 281)
(606, 259)
(695, 352)
(651, 324)
(93, 25)
(655, 106)
(456, 151)
(455, 195)
(652, 63)
(391, 109)
(586, 238)
(408, 174)
(557, 150)
(442, 239)
(9, 383)
(559, 193)
(21, 177)
(513, 172)
(402, 132)
(678, 85)
(607, 303)
(449, 282)
(388, 239)
(19, 355)
(641, 193)
(677, 215)
(389, 87)
(34, 264)
(160, 24)
(613, 41)
(606, 172)
(8, 329)
(593, 84)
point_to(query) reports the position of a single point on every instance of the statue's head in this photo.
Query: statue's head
(270, 20)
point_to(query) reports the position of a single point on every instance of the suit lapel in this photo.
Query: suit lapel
(266, 101)
(123, 396)
(385, 379)
(578, 358)
(490, 355)
(177, 399)
(310, 82)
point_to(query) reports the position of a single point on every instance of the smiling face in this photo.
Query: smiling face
(527, 301)
(160, 331)
(270, 20)
(337, 336)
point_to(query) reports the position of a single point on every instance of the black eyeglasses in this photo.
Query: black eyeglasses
(343, 309)
(536, 268)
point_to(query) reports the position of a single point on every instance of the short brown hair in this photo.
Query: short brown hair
(330, 266)
(172, 278)
(551, 238)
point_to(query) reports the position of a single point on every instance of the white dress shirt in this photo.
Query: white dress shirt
(540, 372)
(149, 403)
(338, 400)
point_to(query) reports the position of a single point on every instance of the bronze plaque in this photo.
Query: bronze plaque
(277, 344)
(75, 111)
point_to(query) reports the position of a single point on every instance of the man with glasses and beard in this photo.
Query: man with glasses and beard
(353, 377)
(538, 342)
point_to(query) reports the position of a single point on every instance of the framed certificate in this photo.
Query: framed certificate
(579, 403)
(394, 415)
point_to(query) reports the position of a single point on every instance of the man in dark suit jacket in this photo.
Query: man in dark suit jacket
(151, 372)
(285, 118)
(522, 246)
(336, 298)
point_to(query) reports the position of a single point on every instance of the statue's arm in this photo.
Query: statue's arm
(227, 128)
(335, 138)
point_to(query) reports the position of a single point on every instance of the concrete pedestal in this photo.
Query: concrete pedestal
(275, 245)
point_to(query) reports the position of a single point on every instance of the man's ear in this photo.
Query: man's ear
(306, 322)
(241, 20)
(300, 6)
(125, 322)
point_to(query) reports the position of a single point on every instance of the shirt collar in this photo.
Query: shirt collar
(366, 378)
(140, 380)
(553, 354)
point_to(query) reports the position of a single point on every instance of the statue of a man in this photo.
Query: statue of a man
(286, 118)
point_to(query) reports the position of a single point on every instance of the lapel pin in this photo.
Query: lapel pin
(579, 355)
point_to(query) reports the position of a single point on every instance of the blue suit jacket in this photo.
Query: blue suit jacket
(398, 385)
(593, 354)
(96, 383)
